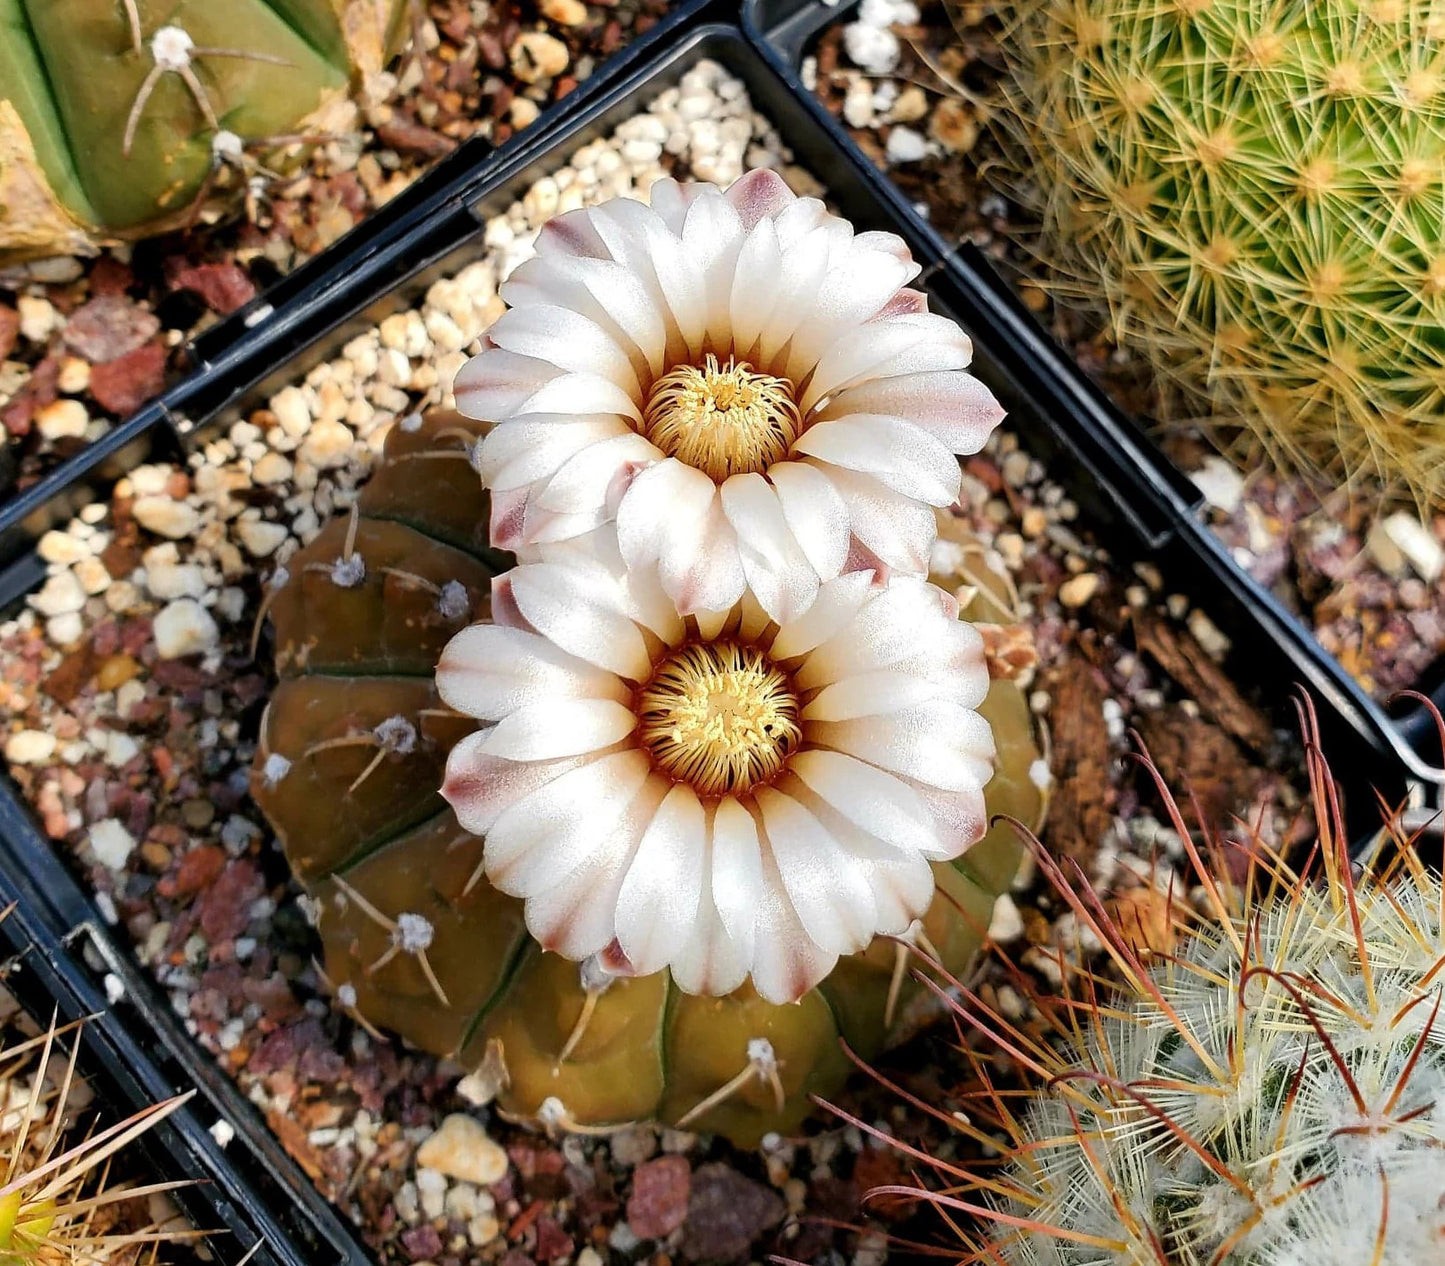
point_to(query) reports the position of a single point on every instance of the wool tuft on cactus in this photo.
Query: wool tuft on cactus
(117, 116)
(1264, 1089)
(1255, 191)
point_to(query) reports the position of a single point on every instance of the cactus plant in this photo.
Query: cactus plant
(115, 114)
(1255, 191)
(1263, 1088)
(353, 751)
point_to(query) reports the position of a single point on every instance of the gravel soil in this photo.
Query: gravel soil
(131, 700)
(913, 85)
(84, 342)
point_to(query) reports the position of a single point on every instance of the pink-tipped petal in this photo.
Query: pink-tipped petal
(488, 670)
(901, 456)
(659, 898)
(758, 194)
(480, 787)
(586, 621)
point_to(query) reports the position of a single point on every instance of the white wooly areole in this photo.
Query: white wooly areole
(738, 381)
(742, 798)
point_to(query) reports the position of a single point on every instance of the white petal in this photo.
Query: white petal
(759, 193)
(759, 259)
(873, 800)
(712, 234)
(495, 383)
(857, 285)
(637, 238)
(560, 726)
(709, 962)
(488, 670)
(906, 344)
(960, 818)
(815, 513)
(599, 475)
(787, 962)
(737, 871)
(577, 917)
(954, 407)
(523, 450)
(794, 289)
(571, 234)
(583, 619)
(837, 603)
(904, 457)
(909, 619)
(869, 694)
(480, 787)
(508, 519)
(568, 340)
(672, 200)
(898, 529)
(938, 743)
(824, 885)
(658, 901)
(773, 563)
(541, 839)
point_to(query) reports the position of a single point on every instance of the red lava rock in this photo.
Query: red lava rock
(109, 327)
(658, 1203)
(276, 1053)
(224, 287)
(552, 1241)
(108, 276)
(226, 907)
(122, 386)
(9, 330)
(726, 1214)
(412, 138)
(39, 391)
(198, 870)
(421, 1242)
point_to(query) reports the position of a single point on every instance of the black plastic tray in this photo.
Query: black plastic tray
(253, 1187)
(1164, 506)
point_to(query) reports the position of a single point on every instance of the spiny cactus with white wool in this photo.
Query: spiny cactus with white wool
(1269, 1092)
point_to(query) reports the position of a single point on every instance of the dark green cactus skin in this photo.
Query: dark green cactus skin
(71, 73)
(373, 848)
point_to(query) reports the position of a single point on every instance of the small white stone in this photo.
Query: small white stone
(92, 575)
(431, 1189)
(38, 318)
(60, 595)
(271, 469)
(111, 843)
(65, 630)
(122, 596)
(292, 412)
(905, 145)
(1220, 483)
(62, 419)
(1417, 543)
(328, 445)
(874, 49)
(462, 1149)
(120, 748)
(1007, 925)
(61, 548)
(169, 581)
(30, 747)
(184, 627)
(74, 376)
(259, 538)
(166, 517)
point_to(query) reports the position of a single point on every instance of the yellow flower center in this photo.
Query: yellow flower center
(719, 716)
(723, 419)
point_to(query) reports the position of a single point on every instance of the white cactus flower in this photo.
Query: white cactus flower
(727, 799)
(740, 382)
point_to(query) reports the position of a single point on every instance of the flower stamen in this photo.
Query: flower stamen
(719, 716)
(723, 419)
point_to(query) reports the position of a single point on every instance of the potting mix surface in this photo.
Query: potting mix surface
(132, 700)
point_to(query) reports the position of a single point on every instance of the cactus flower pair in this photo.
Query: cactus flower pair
(730, 723)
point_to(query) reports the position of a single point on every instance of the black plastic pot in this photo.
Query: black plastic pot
(1131, 498)
(1165, 506)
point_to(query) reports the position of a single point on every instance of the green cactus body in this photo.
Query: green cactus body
(77, 90)
(1255, 190)
(416, 941)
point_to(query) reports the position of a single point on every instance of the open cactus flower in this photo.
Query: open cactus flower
(740, 798)
(740, 382)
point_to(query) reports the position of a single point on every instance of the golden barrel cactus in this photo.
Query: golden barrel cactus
(1254, 191)
(115, 114)
(416, 940)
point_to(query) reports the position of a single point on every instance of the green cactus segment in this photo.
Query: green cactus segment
(415, 940)
(317, 22)
(1253, 189)
(275, 80)
(23, 83)
(1011, 792)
